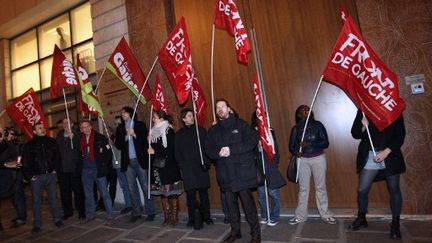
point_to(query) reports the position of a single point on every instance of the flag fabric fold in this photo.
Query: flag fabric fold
(227, 17)
(88, 102)
(266, 138)
(26, 111)
(159, 102)
(355, 68)
(176, 60)
(63, 74)
(123, 64)
(200, 102)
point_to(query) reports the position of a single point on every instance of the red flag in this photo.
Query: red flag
(200, 102)
(159, 102)
(123, 64)
(227, 17)
(87, 87)
(63, 74)
(356, 69)
(264, 132)
(26, 111)
(176, 60)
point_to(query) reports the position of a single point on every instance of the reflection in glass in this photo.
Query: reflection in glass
(57, 32)
(81, 23)
(24, 79)
(86, 53)
(24, 49)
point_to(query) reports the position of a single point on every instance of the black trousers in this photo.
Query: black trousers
(204, 203)
(70, 183)
(249, 208)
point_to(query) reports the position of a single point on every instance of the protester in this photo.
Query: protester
(96, 162)
(388, 164)
(131, 139)
(166, 178)
(69, 176)
(41, 161)
(313, 161)
(274, 181)
(193, 165)
(231, 142)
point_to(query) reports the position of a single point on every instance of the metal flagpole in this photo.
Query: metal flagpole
(67, 115)
(212, 73)
(305, 126)
(149, 156)
(265, 182)
(2, 113)
(196, 127)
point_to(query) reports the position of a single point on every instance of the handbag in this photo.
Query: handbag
(292, 169)
(159, 162)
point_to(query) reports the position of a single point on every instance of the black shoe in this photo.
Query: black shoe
(126, 210)
(59, 223)
(66, 216)
(395, 229)
(226, 220)
(231, 238)
(100, 207)
(209, 221)
(133, 219)
(36, 230)
(359, 222)
(150, 217)
(81, 216)
(18, 223)
(190, 223)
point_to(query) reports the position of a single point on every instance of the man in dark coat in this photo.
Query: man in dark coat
(69, 175)
(193, 165)
(231, 142)
(41, 161)
(131, 139)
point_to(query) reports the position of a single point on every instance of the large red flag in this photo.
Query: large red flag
(159, 102)
(176, 60)
(63, 73)
(227, 17)
(355, 68)
(25, 111)
(200, 102)
(122, 63)
(264, 132)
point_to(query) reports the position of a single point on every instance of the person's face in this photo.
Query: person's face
(39, 130)
(65, 124)
(303, 112)
(222, 110)
(156, 119)
(117, 121)
(125, 115)
(11, 136)
(189, 119)
(86, 128)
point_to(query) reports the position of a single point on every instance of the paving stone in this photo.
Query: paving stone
(419, 228)
(170, 235)
(368, 237)
(281, 232)
(67, 233)
(123, 223)
(91, 224)
(316, 228)
(209, 231)
(101, 234)
(143, 233)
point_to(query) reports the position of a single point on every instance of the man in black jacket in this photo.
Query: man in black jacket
(131, 139)
(231, 142)
(41, 161)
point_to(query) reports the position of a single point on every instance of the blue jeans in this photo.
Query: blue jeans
(365, 183)
(133, 173)
(48, 181)
(88, 177)
(122, 179)
(274, 195)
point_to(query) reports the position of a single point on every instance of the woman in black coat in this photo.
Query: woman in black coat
(388, 162)
(195, 173)
(166, 179)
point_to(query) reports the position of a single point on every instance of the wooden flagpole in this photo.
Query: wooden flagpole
(196, 126)
(67, 115)
(2, 113)
(212, 73)
(370, 138)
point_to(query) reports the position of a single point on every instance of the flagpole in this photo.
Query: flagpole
(67, 116)
(265, 183)
(100, 78)
(212, 73)
(149, 156)
(2, 113)
(370, 138)
(109, 140)
(305, 126)
(196, 126)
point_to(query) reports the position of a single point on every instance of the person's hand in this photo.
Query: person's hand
(298, 154)
(224, 152)
(382, 155)
(71, 135)
(304, 144)
(34, 178)
(130, 132)
(365, 121)
(150, 150)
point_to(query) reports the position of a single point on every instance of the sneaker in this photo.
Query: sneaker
(263, 221)
(330, 220)
(18, 223)
(295, 221)
(272, 223)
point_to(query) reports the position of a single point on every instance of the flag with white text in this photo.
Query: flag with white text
(88, 103)
(159, 102)
(63, 73)
(200, 102)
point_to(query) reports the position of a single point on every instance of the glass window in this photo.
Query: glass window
(86, 53)
(46, 67)
(81, 23)
(24, 79)
(56, 32)
(24, 49)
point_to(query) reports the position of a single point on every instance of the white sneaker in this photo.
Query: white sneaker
(263, 221)
(272, 223)
(295, 221)
(330, 220)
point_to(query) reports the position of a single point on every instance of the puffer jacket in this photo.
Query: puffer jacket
(316, 135)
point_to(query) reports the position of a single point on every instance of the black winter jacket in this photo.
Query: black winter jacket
(41, 155)
(70, 156)
(102, 155)
(238, 171)
(316, 135)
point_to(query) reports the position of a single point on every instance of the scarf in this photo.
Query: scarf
(159, 130)
(88, 146)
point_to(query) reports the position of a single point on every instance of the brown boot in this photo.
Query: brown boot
(166, 211)
(174, 203)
